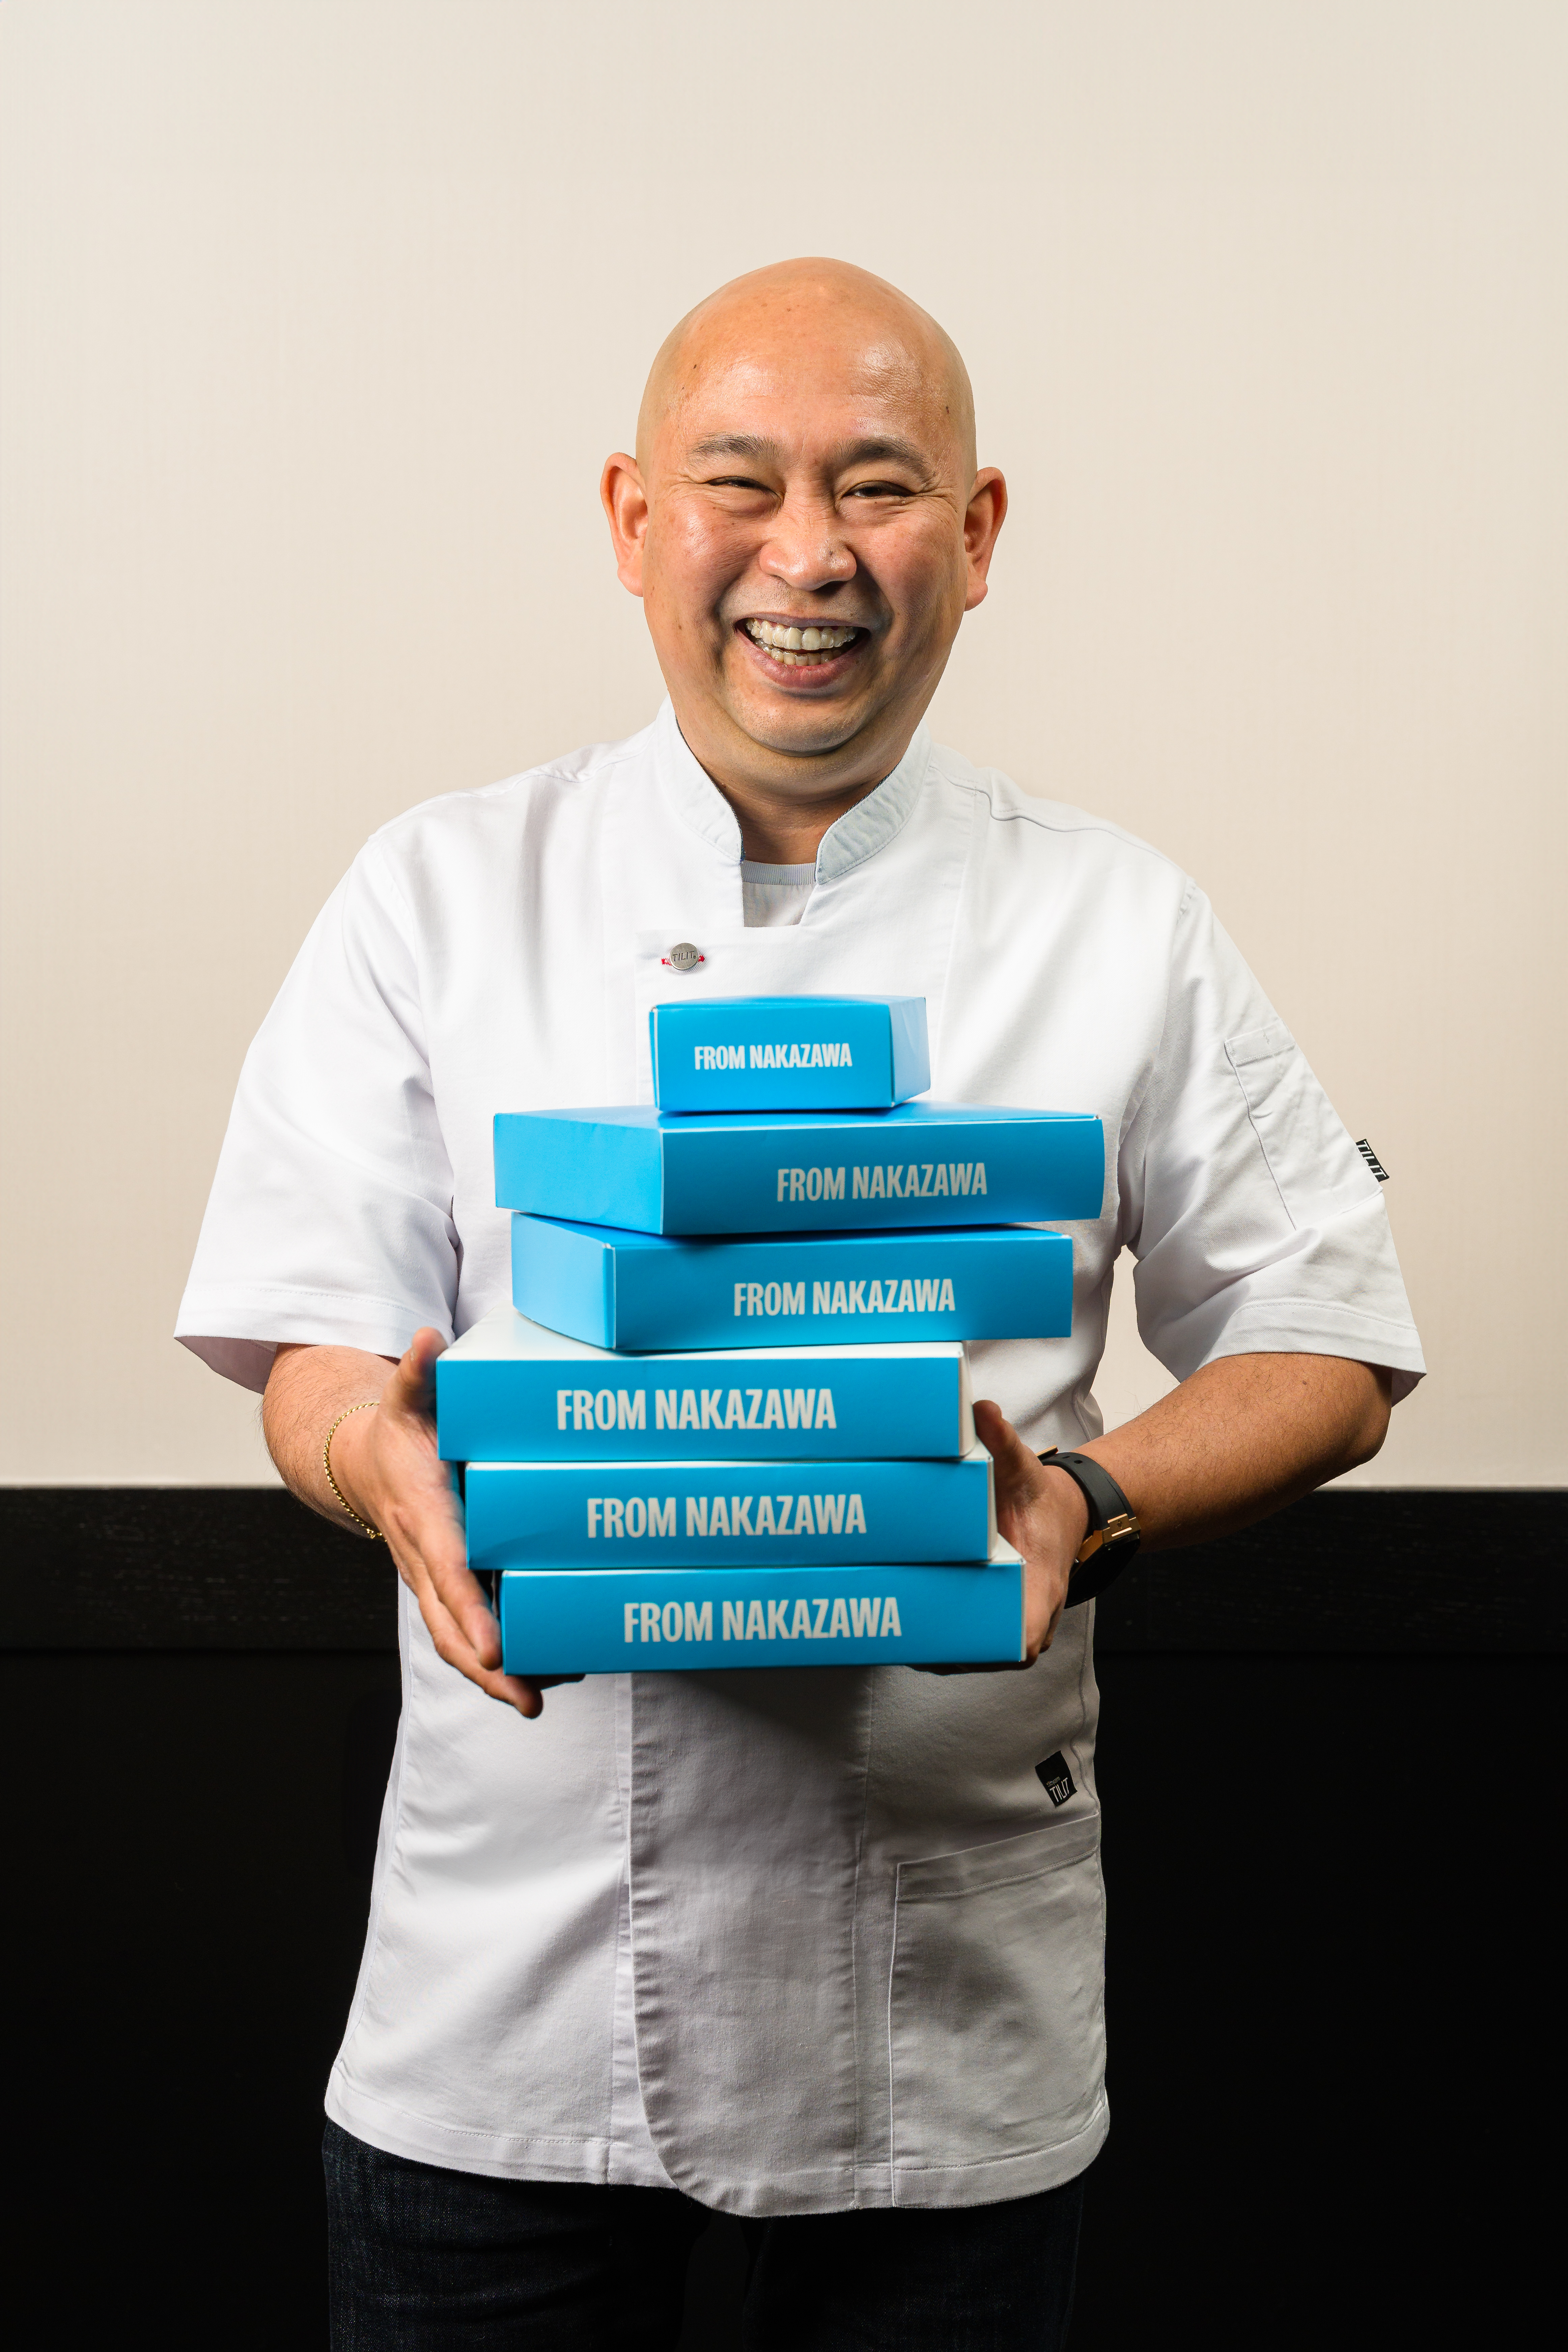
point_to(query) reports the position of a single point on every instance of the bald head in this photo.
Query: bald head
(824, 313)
(804, 524)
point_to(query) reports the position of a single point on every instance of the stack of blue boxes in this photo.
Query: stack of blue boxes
(727, 1420)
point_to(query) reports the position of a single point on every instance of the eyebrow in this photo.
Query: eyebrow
(859, 453)
(734, 444)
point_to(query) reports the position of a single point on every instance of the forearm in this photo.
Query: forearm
(308, 1388)
(1240, 1438)
(1236, 1441)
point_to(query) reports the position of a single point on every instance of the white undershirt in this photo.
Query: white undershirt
(774, 895)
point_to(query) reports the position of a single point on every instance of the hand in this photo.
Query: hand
(387, 1463)
(1043, 1515)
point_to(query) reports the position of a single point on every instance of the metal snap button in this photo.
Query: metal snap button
(684, 958)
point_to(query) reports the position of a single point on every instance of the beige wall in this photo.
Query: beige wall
(322, 314)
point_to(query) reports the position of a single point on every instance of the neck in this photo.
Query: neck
(778, 832)
(783, 819)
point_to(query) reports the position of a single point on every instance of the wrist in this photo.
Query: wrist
(1071, 1507)
(1113, 1534)
(344, 1459)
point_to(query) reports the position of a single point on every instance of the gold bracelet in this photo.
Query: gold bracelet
(368, 1405)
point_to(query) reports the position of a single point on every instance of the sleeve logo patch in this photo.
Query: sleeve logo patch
(1373, 1161)
(1056, 1778)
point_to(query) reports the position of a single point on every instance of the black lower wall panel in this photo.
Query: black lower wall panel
(1329, 1881)
(197, 1835)
(1476, 1570)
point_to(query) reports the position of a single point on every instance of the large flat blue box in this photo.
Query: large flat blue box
(674, 1621)
(726, 1514)
(511, 1390)
(789, 1053)
(636, 1291)
(655, 1171)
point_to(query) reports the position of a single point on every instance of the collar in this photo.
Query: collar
(858, 835)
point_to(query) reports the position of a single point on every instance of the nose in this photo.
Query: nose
(805, 548)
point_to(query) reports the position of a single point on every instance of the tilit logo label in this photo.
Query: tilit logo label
(1373, 1161)
(1055, 1779)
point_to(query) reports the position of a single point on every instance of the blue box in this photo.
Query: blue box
(638, 1291)
(603, 1621)
(789, 1053)
(706, 1515)
(798, 1172)
(511, 1390)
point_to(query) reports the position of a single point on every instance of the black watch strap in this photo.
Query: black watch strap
(1114, 1533)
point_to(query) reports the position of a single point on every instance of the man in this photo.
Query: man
(816, 1948)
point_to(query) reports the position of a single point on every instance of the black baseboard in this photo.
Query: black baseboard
(1360, 1571)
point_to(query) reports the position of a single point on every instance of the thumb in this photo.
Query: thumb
(412, 1388)
(1015, 1462)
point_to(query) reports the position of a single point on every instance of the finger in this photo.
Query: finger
(463, 1598)
(512, 1690)
(425, 1531)
(1053, 1601)
(426, 1539)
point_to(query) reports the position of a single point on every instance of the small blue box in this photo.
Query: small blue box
(591, 1514)
(922, 1164)
(580, 1621)
(789, 1053)
(641, 1291)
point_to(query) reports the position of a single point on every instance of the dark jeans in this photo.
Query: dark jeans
(429, 2260)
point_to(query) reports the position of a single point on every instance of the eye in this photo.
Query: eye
(879, 490)
(736, 482)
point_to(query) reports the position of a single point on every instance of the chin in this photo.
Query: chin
(799, 733)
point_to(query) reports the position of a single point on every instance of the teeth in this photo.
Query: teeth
(798, 649)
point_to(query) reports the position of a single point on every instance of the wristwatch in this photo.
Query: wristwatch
(1114, 1534)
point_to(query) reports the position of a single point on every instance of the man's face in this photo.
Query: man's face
(806, 538)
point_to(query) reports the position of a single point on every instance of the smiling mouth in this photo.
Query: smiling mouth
(803, 646)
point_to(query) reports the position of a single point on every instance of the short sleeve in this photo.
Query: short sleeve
(1256, 1222)
(330, 1215)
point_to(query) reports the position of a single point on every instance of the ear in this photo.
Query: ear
(625, 503)
(983, 518)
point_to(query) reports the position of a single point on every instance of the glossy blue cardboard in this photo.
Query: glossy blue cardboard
(920, 1164)
(592, 1621)
(640, 1291)
(726, 1514)
(789, 1053)
(511, 1391)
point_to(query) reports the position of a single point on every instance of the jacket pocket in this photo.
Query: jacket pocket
(1317, 1168)
(996, 2010)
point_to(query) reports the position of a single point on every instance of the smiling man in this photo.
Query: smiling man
(820, 1950)
(804, 577)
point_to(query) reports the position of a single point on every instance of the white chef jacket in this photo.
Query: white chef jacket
(793, 1942)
